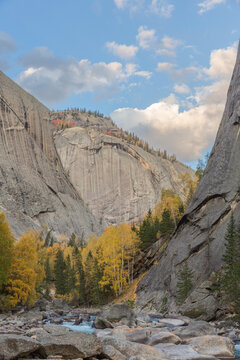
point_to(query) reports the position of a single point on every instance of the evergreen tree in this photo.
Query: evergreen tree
(231, 270)
(69, 276)
(81, 277)
(59, 272)
(72, 240)
(184, 284)
(166, 225)
(148, 230)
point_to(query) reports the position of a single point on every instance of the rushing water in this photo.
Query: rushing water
(85, 326)
(237, 350)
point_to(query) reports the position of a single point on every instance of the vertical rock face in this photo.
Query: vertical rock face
(199, 239)
(119, 181)
(34, 189)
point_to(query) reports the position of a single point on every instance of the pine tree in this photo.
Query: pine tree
(81, 277)
(166, 225)
(231, 270)
(48, 272)
(184, 284)
(59, 271)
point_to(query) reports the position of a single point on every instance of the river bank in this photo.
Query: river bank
(113, 333)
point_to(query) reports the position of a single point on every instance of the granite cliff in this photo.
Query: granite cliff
(118, 180)
(199, 238)
(34, 190)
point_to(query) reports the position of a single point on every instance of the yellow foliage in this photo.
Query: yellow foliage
(114, 250)
(24, 271)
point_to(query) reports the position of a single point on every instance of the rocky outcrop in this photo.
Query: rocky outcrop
(118, 181)
(199, 238)
(34, 189)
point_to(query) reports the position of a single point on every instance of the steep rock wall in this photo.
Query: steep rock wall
(34, 189)
(118, 181)
(199, 238)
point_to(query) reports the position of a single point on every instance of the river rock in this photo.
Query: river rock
(221, 347)
(133, 335)
(100, 323)
(130, 349)
(118, 312)
(70, 345)
(164, 337)
(172, 322)
(15, 346)
(111, 353)
(182, 352)
(194, 329)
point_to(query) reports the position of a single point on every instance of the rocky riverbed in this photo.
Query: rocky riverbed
(118, 333)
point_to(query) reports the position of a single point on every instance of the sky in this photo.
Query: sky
(159, 68)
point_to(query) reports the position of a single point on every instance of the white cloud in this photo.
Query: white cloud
(145, 74)
(181, 89)
(146, 37)
(207, 5)
(121, 50)
(121, 3)
(164, 66)
(162, 8)
(189, 132)
(53, 79)
(168, 46)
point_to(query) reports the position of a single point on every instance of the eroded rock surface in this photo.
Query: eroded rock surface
(34, 188)
(199, 238)
(118, 181)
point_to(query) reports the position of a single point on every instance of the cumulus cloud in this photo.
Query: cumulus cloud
(180, 74)
(207, 5)
(121, 50)
(168, 46)
(162, 8)
(54, 79)
(7, 46)
(187, 132)
(181, 89)
(146, 37)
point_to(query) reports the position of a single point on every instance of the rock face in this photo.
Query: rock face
(199, 238)
(33, 186)
(118, 181)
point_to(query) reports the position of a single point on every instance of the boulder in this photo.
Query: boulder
(172, 322)
(56, 329)
(221, 347)
(196, 328)
(70, 345)
(133, 335)
(100, 323)
(130, 349)
(182, 352)
(164, 337)
(111, 353)
(117, 312)
(15, 346)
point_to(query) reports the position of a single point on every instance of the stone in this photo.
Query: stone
(35, 189)
(15, 346)
(182, 352)
(121, 181)
(111, 353)
(100, 323)
(133, 335)
(218, 346)
(164, 337)
(130, 349)
(199, 237)
(172, 322)
(56, 329)
(196, 328)
(70, 345)
(117, 312)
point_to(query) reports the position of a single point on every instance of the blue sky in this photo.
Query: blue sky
(160, 68)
